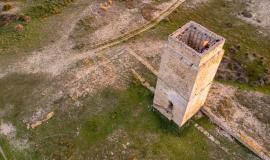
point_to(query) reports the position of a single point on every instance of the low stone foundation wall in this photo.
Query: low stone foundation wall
(241, 136)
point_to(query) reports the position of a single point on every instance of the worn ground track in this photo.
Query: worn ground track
(145, 27)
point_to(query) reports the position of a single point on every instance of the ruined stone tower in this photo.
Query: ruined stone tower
(188, 65)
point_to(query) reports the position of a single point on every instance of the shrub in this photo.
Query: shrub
(19, 28)
(7, 7)
(25, 18)
(48, 8)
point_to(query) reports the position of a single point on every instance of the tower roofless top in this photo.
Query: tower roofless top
(197, 38)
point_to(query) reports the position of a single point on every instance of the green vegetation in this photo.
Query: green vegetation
(13, 42)
(105, 123)
(46, 8)
(102, 125)
(12, 153)
(218, 16)
(258, 106)
(7, 7)
(38, 32)
(236, 148)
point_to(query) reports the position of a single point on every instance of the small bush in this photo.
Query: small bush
(25, 18)
(7, 7)
(147, 10)
(48, 8)
(19, 28)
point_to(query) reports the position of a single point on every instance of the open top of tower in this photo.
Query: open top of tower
(197, 39)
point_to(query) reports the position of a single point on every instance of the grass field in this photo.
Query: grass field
(114, 124)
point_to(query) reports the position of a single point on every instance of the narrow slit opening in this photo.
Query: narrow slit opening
(170, 107)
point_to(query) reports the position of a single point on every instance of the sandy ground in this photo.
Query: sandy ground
(9, 131)
(195, 3)
(260, 13)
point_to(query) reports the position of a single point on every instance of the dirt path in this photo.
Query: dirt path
(136, 32)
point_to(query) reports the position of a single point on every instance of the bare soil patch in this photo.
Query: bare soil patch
(257, 13)
(7, 129)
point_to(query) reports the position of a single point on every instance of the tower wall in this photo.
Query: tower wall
(188, 66)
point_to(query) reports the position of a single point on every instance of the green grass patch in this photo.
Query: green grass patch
(133, 114)
(13, 42)
(12, 153)
(102, 124)
(36, 33)
(255, 70)
(44, 8)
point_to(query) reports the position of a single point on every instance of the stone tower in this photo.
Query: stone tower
(188, 65)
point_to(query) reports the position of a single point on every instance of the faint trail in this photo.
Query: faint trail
(147, 26)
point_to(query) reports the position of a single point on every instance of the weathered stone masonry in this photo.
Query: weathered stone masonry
(188, 66)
